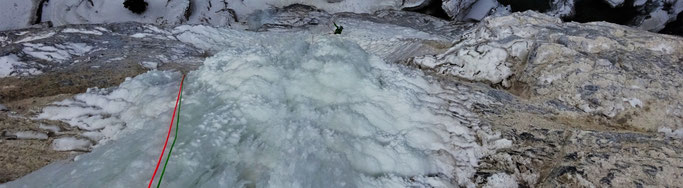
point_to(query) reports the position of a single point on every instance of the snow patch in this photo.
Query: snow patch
(81, 31)
(30, 135)
(7, 64)
(149, 64)
(147, 35)
(38, 36)
(102, 29)
(548, 79)
(59, 52)
(70, 144)
(634, 102)
(10, 65)
(51, 128)
(500, 180)
(678, 133)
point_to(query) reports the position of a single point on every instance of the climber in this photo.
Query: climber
(338, 29)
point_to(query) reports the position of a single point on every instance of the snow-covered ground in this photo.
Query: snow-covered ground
(276, 110)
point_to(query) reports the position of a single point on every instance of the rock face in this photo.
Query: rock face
(598, 68)
(581, 102)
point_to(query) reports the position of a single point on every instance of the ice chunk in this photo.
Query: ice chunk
(71, 144)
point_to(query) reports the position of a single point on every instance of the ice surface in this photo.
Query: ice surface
(281, 111)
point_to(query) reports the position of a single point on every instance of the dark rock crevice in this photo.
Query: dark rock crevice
(524, 5)
(592, 10)
(675, 27)
(39, 12)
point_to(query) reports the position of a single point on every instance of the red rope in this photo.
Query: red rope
(168, 135)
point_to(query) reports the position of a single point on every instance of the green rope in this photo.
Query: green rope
(177, 123)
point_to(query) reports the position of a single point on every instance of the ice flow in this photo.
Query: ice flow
(293, 111)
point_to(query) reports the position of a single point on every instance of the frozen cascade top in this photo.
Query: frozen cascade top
(314, 112)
